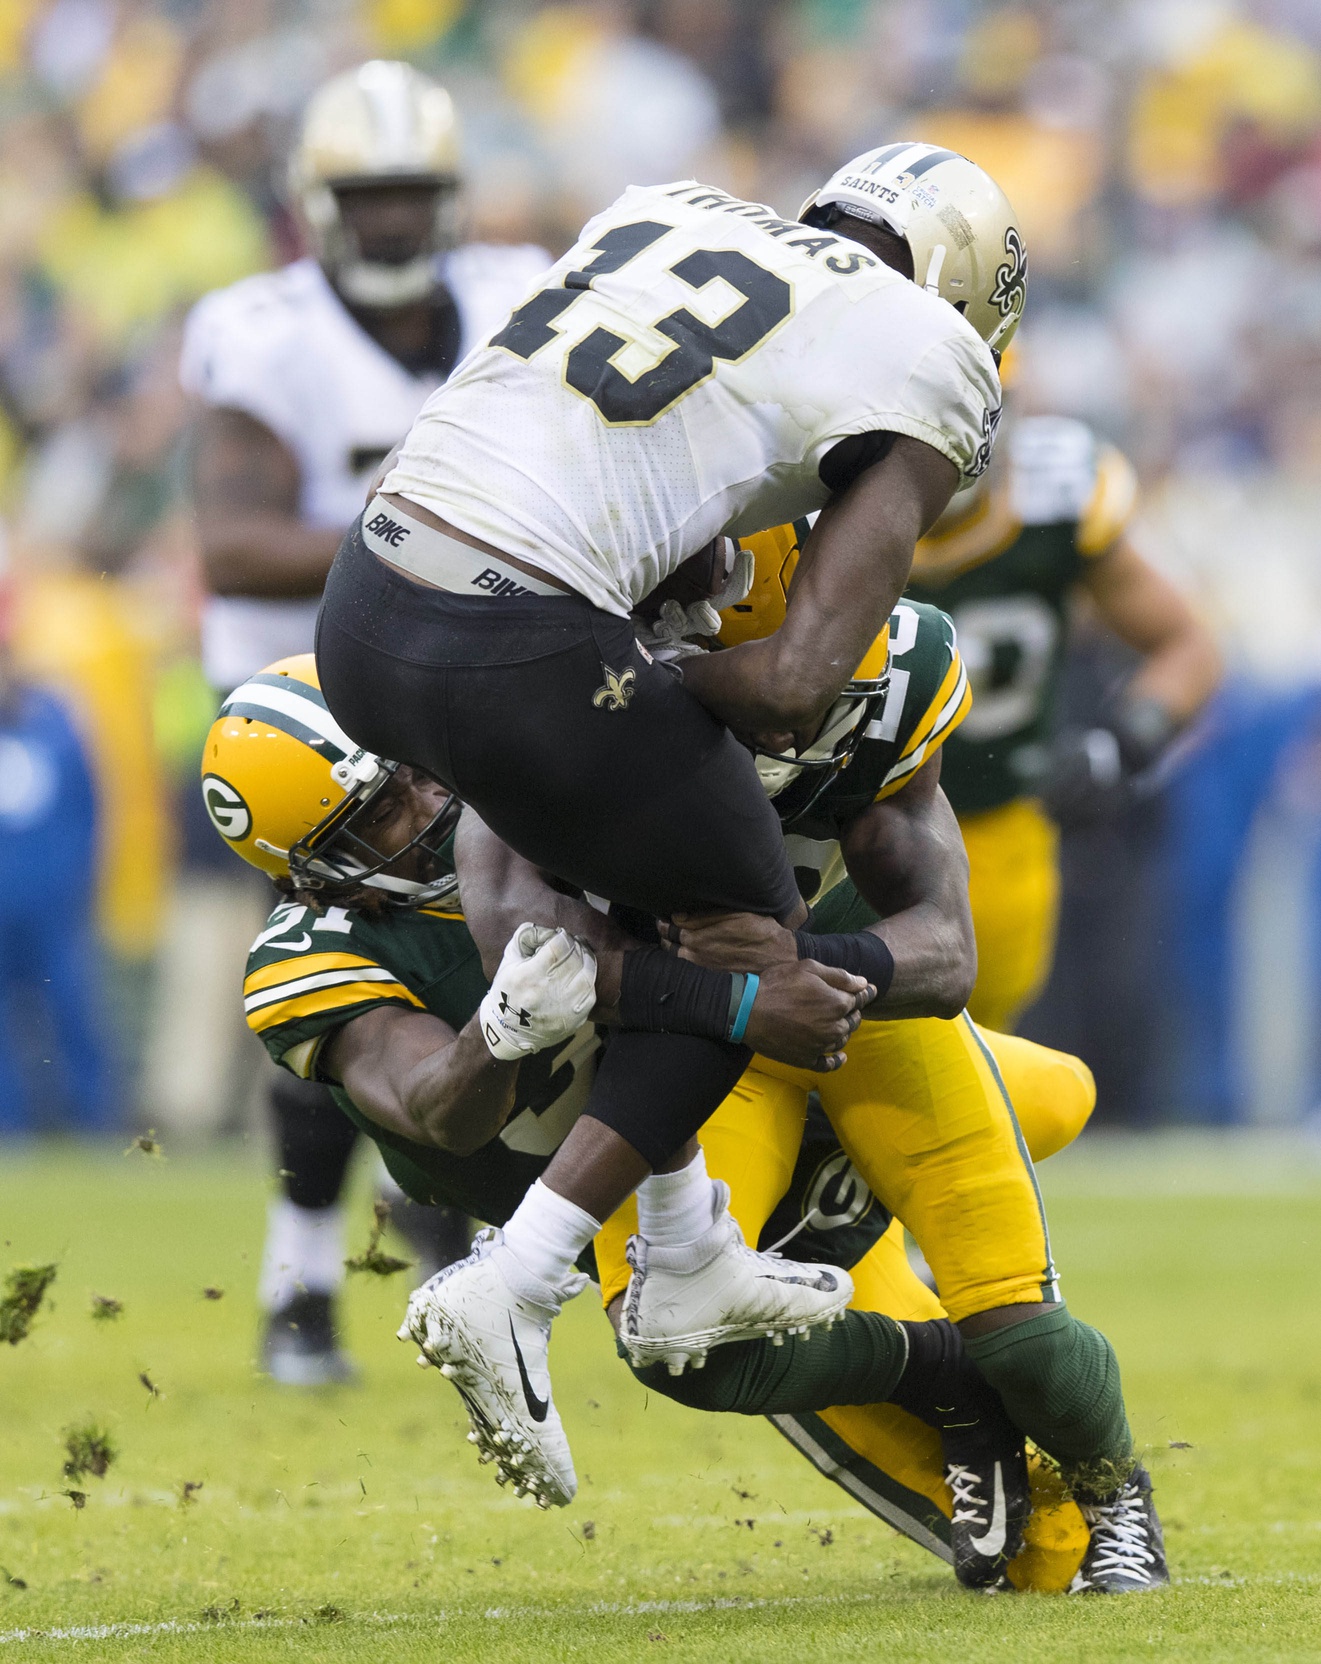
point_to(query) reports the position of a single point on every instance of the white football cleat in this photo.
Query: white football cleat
(680, 1302)
(484, 1322)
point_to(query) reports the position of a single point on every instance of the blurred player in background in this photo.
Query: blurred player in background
(307, 377)
(1007, 560)
(48, 956)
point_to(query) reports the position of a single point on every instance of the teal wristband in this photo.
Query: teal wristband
(738, 1027)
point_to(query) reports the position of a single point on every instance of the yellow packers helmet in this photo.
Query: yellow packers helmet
(383, 123)
(794, 780)
(964, 235)
(289, 791)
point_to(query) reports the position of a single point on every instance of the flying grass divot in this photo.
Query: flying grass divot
(25, 1289)
(372, 1259)
(90, 1449)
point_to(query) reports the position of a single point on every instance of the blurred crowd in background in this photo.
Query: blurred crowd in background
(1164, 157)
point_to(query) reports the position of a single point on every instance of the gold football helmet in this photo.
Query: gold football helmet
(794, 780)
(383, 123)
(964, 235)
(288, 790)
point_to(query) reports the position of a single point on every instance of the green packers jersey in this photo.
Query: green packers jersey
(308, 976)
(925, 700)
(1006, 576)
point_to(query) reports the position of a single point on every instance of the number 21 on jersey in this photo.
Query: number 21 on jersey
(590, 366)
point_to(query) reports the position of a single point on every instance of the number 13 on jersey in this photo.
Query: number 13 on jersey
(762, 302)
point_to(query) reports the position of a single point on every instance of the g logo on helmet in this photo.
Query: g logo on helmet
(229, 814)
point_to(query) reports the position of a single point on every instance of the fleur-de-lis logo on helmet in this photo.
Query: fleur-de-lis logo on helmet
(1010, 291)
(618, 689)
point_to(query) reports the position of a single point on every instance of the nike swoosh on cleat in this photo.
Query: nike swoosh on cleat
(993, 1542)
(538, 1407)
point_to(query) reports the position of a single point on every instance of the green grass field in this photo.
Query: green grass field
(356, 1524)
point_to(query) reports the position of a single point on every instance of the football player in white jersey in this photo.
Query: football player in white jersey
(693, 366)
(306, 377)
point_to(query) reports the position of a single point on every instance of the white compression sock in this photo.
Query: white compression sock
(547, 1233)
(304, 1250)
(676, 1208)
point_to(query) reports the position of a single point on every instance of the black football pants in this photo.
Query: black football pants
(582, 755)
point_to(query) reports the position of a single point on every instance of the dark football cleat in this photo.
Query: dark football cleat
(992, 1501)
(1127, 1552)
(300, 1347)
(985, 1461)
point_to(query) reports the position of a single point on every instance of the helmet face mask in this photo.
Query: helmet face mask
(337, 859)
(381, 125)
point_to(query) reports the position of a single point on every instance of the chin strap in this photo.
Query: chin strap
(420, 893)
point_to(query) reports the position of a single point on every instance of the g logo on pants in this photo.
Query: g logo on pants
(837, 1196)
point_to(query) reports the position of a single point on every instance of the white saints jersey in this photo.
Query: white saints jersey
(282, 347)
(681, 373)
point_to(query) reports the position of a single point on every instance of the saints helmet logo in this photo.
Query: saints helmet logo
(1010, 291)
(618, 689)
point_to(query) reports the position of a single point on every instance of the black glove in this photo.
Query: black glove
(1089, 773)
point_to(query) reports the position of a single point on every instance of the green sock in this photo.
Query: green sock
(1059, 1380)
(859, 1361)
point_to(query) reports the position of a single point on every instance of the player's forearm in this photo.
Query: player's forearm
(459, 1097)
(935, 964)
(1180, 675)
(1181, 664)
(853, 569)
(265, 553)
(906, 857)
(755, 691)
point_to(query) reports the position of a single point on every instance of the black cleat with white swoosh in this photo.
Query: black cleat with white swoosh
(985, 1462)
(992, 1501)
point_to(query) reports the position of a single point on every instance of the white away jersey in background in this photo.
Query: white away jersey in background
(682, 373)
(283, 348)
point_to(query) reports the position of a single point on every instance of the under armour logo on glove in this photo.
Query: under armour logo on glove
(543, 992)
(524, 1018)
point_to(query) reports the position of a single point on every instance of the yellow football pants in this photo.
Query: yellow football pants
(752, 1144)
(921, 1112)
(1014, 888)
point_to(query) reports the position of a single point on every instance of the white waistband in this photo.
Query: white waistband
(442, 560)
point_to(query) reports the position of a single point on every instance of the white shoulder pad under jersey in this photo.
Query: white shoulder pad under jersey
(682, 371)
(283, 347)
(1053, 464)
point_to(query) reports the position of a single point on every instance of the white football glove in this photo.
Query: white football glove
(670, 635)
(666, 636)
(740, 570)
(542, 992)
